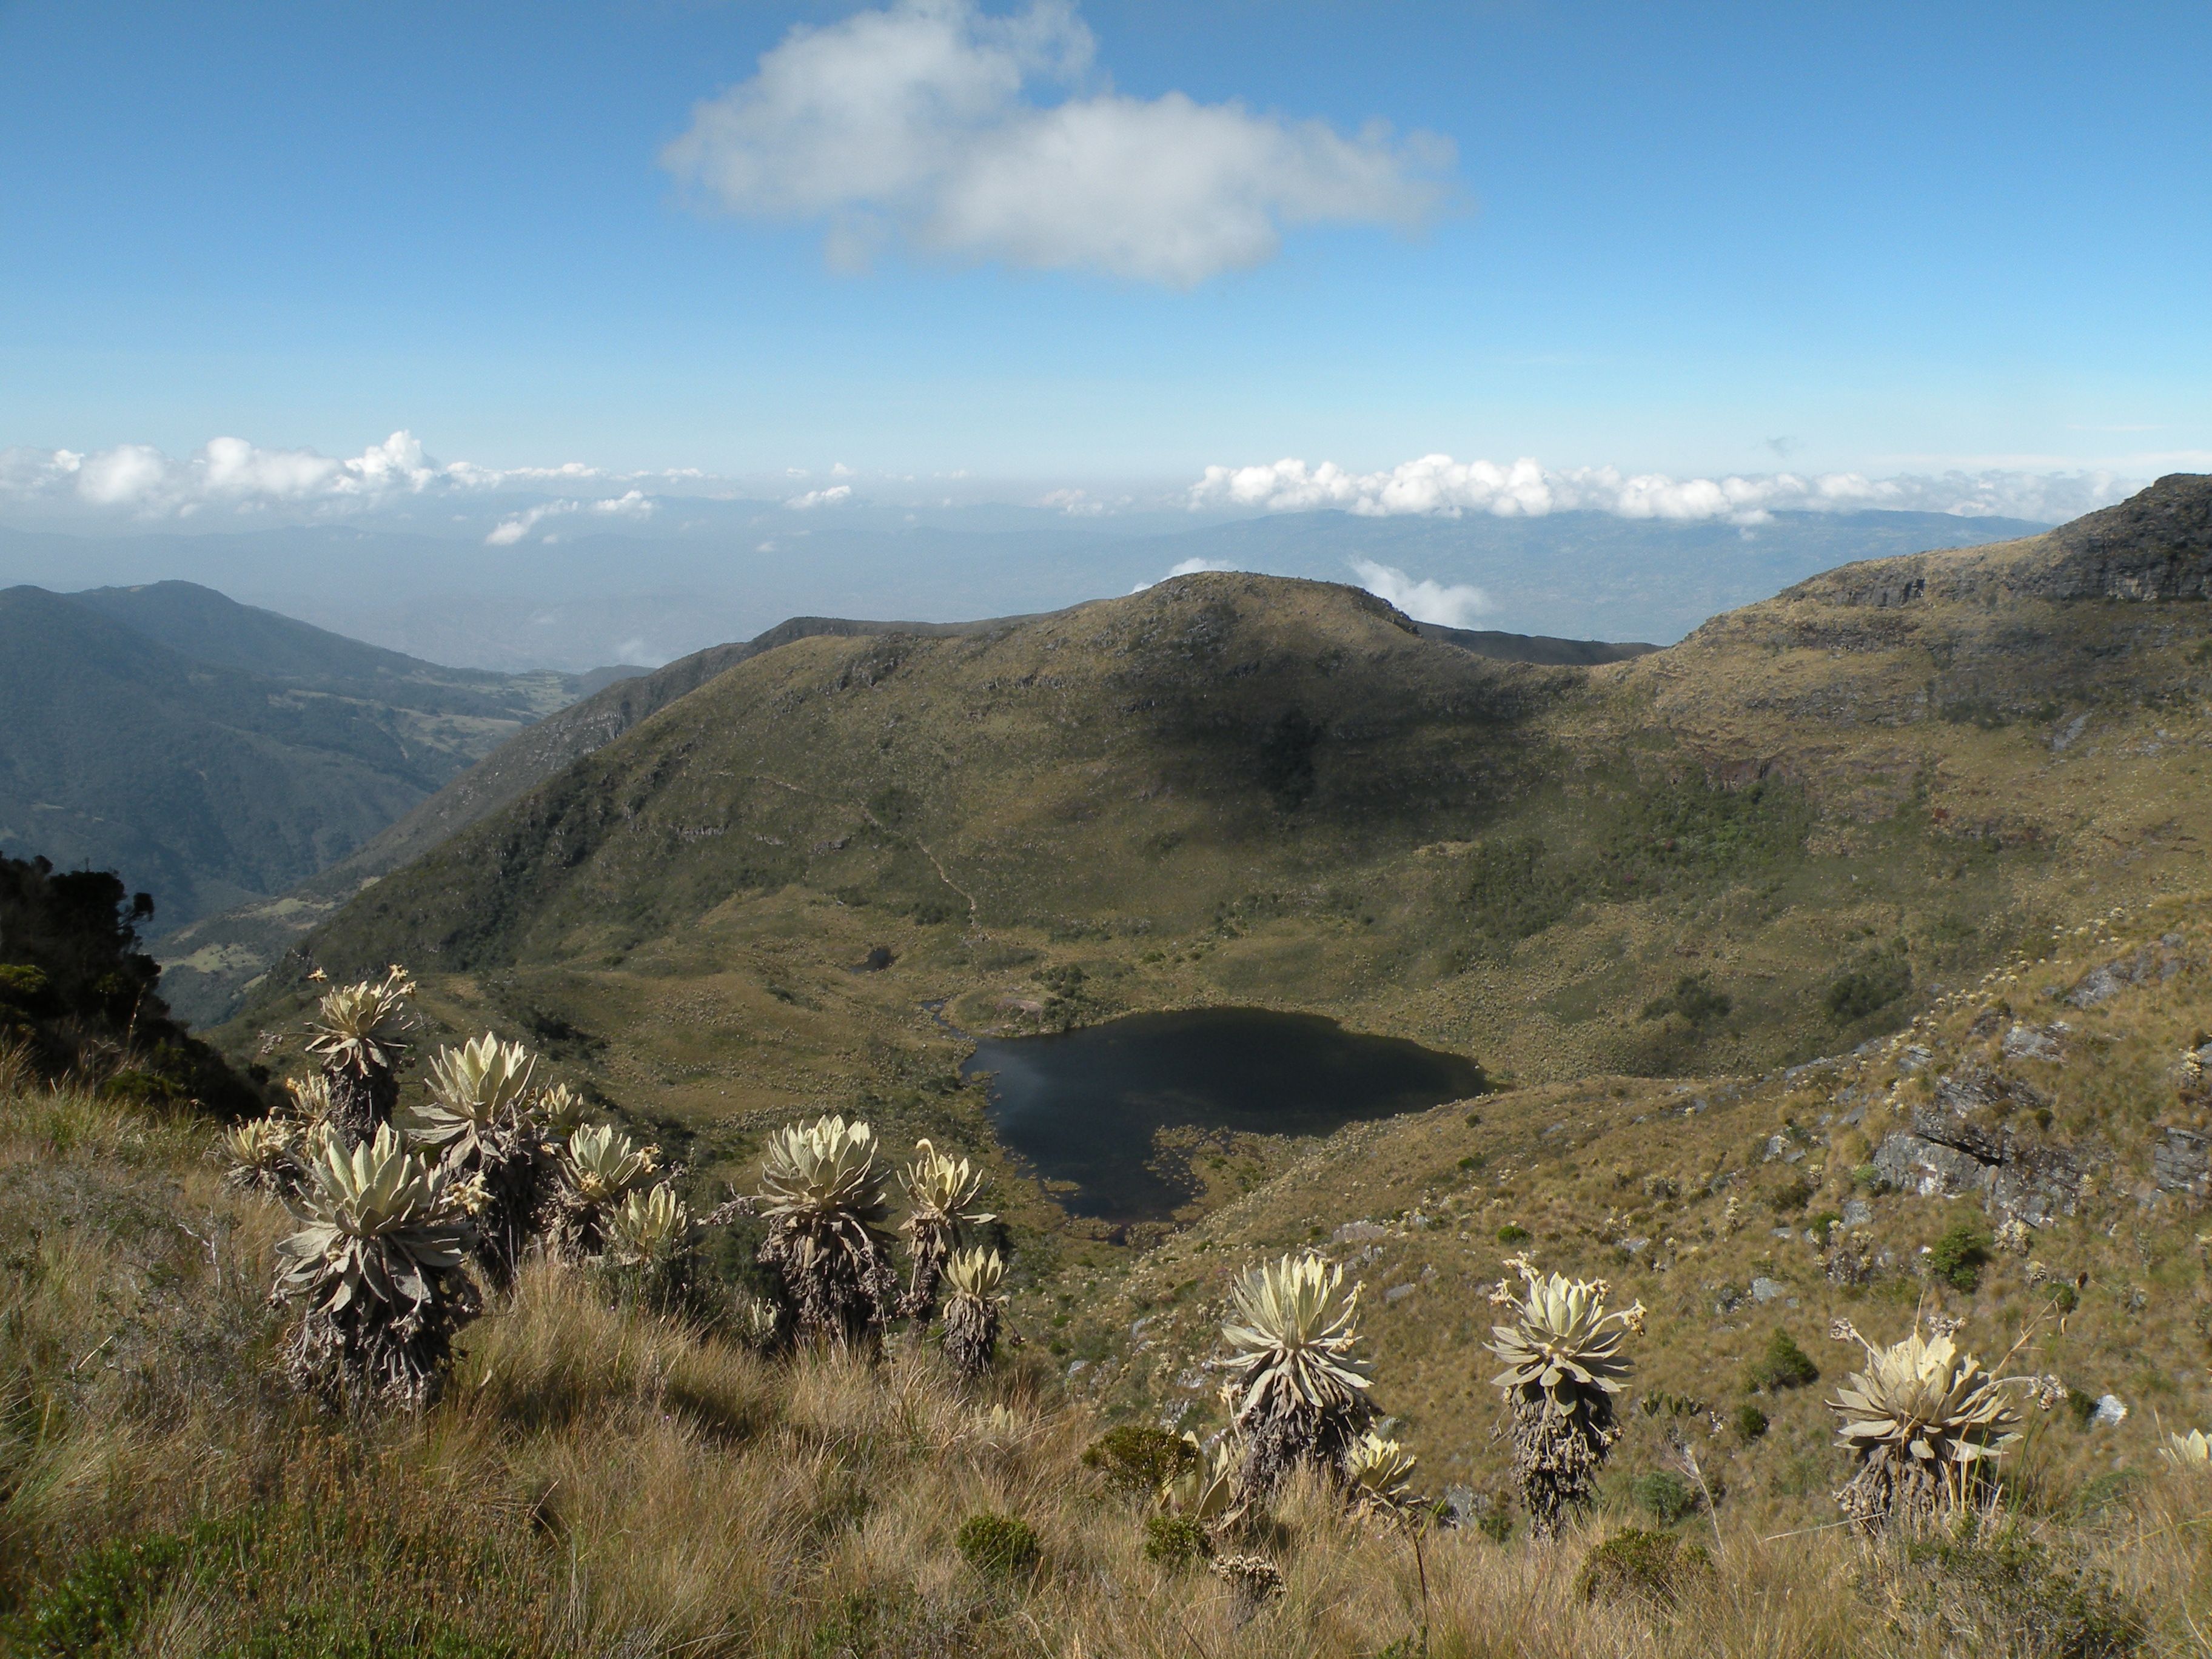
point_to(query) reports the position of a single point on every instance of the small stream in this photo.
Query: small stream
(1082, 1106)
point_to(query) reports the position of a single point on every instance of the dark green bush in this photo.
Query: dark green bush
(1874, 982)
(1693, 998)
(1750, 1421)
(1785, 1365)
(1664, 1495)
(1001, 1546)
(93, 1609)
(1959, 1254)
(1137, 1457)
(1512, 1233)
(1792, 1195)
(1177, 1542)
(1653, 1567)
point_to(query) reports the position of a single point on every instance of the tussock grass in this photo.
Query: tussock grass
(601, 1482)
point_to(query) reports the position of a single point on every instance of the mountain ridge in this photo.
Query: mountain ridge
(140, 736)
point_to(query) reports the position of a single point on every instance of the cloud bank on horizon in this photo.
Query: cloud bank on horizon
(140, 484)
(1438, 486)
(932, 126)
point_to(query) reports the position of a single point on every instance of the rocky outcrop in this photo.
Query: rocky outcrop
(1966, 1142)
(2156, 545)
(2182, 1163)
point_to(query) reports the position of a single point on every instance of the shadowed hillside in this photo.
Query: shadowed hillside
(210, 963)
(213, 751)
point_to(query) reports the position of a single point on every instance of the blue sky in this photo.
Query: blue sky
(1700, 240)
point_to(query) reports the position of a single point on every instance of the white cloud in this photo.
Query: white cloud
(1424, 600)
(631, 504)
(1076, 503)
(814, 498)
(1188, 568)
(1438, 486)
(922, 124)
(509, 531)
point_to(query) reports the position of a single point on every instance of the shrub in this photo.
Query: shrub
(1693, 998)
(1793, 1195)
(1786, 1366)
(1000, 1545)
(1512, 1233)
(1137, 1457)
(1876, 979)
(1654, 1567)
(1750, 1421)
(1177, 1542)
(1959, 1257)
(94, 1608)
(134, 1088)
(1664, 1495)
(1997, 1591)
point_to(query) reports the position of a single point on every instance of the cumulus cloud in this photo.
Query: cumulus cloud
(1186, 568)
(233, 475)
(1424, 600)
(814, 498)
(631, 504)
(1438, 486)
(507, 531)
(140, 478)
(933, 125)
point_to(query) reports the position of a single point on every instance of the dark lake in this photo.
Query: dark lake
(1082, 1106)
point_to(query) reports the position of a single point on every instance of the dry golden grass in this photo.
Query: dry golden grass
(600, 1482)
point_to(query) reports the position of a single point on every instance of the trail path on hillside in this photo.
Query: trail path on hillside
(975, 921)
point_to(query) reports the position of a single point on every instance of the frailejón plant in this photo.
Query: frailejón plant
(358, 1034)
(1378, 1476)
(261, 1154)
(823, 1194)
(974, 1283)
(2190, 1451)
(939, 1189)
(599, 1167)
(1206, 1492)
(1923, 1422)
(376, 1268)
(481, 1120)
(1563, 1364)
(1298, 1394)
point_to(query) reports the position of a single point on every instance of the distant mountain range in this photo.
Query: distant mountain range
(211, 752)
(725, 571)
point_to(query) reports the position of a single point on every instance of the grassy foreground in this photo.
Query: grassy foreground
(600, 1482)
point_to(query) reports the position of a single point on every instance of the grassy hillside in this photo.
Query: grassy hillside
(212, 963)
(1735, 1207)
(211, 751)
(600, 1480)
(1766, 843)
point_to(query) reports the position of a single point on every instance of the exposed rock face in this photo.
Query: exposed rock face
(2156, 545)
(2150, 962)
(2182, 1163)
(1965, 1143)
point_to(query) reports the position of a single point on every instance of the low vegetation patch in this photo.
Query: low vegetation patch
(1655, 1568)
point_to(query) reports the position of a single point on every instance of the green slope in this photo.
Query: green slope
(138, 734)
(1764, 843)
